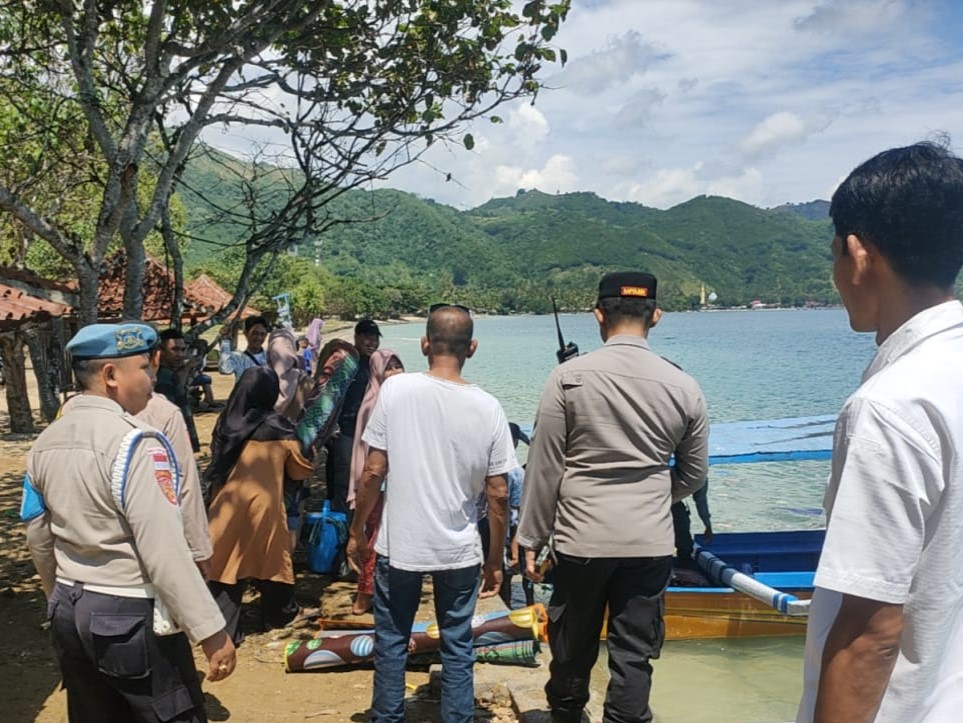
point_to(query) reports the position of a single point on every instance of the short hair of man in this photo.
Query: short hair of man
(168, 334)
(619, 309)
(86, 370)
(449, 331)
(908, 203)
(252, 321)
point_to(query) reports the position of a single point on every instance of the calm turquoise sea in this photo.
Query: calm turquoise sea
(758, 364)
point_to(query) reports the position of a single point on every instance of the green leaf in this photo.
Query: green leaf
(469, 141)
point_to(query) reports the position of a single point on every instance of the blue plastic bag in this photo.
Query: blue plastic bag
(326, 535)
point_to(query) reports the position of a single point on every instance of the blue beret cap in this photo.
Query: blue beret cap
(112, 341)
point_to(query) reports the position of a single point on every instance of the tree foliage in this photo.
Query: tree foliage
(110, 99)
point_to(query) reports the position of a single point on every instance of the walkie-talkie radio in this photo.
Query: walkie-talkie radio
(565, 351)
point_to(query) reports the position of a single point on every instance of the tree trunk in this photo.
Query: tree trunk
(18, 403)
(134, 280)
(46, 371)
(87, 279)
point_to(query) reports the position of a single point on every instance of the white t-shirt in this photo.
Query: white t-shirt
(894, 506)
(442, 440)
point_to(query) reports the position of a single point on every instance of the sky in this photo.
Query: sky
(767, 102)
(764, 101)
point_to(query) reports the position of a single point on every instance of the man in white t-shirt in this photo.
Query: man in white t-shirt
(440, 441)
(885, 635)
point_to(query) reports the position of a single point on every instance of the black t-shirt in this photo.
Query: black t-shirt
(354, 396)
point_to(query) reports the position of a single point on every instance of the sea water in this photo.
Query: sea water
(760, 364)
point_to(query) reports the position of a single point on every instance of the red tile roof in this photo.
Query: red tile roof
(210, 297)
(29, 277)
(18, 307)
(21, 290)
(202, 297)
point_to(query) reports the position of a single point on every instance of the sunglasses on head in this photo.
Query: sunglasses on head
(434, 307)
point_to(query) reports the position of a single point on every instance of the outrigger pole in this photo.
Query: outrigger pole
(731, 577)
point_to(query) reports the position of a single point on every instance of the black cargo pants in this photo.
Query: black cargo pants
(114, 668)
(633, 590)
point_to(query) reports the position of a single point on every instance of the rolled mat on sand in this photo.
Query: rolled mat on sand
(496, 638)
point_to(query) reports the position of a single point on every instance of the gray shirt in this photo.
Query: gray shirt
(598, 473)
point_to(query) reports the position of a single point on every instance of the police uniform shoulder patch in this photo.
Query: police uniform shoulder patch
(163, 473)
(163, 462)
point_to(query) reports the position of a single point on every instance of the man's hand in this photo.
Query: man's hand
(220, 654)
(491, 579)
(358, 551)
(707, 537)
(530, 572)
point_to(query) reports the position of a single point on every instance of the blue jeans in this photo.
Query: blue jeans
(396, 598)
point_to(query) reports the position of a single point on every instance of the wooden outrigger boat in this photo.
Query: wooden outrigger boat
(759, 583)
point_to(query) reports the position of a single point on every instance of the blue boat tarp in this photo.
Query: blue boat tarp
(767, 440)
(772, 440)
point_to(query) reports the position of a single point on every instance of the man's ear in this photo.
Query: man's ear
(425, 345)
(108, 375)
(864, 256)
(472, 346)
(599, 316)
(656, 315)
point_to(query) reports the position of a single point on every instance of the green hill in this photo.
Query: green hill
(513, 254)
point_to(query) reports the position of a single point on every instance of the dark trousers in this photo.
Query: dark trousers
(337, 471)
(278, 606)
(114, 668)
(633, 589)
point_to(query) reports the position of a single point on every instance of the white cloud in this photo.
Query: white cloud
(558, 174)
(844, 17)
(639, 109)
(780, 129)
(623, 58)
(528, 122)
(672, 186)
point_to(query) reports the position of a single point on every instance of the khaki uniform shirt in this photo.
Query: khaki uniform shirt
(598, 473)
(164, 416)
(85, 537)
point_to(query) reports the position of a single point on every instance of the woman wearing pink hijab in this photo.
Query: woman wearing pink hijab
(384, 363)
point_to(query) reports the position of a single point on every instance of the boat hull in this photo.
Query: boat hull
(704, 614)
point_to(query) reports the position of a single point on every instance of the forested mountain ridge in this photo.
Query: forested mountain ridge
(514, 254)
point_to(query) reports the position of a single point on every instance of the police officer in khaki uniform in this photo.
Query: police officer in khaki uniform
(105, 532)
(598, 480)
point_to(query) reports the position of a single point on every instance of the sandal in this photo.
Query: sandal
(304, 616)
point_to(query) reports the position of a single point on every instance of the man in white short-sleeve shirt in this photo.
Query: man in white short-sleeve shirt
(440, 442)
(885, 635)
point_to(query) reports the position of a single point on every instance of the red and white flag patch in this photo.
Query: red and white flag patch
(163, 473)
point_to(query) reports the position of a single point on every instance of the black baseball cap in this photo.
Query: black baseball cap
(367, 326)
(632, 284)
